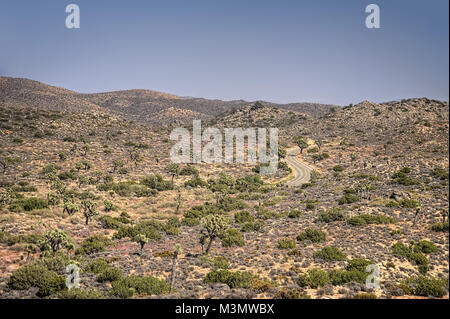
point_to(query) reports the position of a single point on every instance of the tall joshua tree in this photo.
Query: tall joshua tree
(176, 252)
(301, 143)
(89, 209)
(173, 169)
(214, 226)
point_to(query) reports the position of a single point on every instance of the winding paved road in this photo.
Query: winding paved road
(302, 172)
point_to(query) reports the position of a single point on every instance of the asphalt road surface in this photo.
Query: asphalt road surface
(302, 172)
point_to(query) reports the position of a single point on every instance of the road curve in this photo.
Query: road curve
(302, 172)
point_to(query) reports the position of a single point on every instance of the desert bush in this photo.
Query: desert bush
(358, 264)
(313, 235)
(440, 227)
(243, 217)
(348, 199)
(126, 287)
(33, 275)
(77, 293)
(109, 274)
(339, 277)
(366, 295)
(295, 213)
(286, 243)
(237, 279)
(314, 278)
(28, 204)
(195, 182)
(94, 244)
(252, 226)
(232, 237)
(409, 203)
(412, 254)
(291, 293)
(429, 286)
(329, 253)
(109, 205)
(367, 219)
(156, 182)
(401, 177)
(98, 265)
(331, 215)
(189, 170)
(439, 173)
(426, 247)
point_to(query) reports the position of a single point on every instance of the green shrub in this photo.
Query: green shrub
(97, 266)
(401, 177)
(409, 203)
(256, 226)
(243, 217)
(366, 295)
(157, 182)
(439, 173)
(412, 254)
(440, 227)
(331, 215)
(358, 264)
(314, 278)
(367, 219)
(426, 247)
(295, 213)
(94, 244)
(286, 243)
(77, 293)
(286, 293)
(237, 279)
(109, 274)
(195, 182)
(330, 253)
(348, 199)
(189, 170)
(339, 277)
(28, 204)
(34, 275)
(220, 262)
(126, 287)
(232, 237)
(313, 235)
(426, 287)
(109, 205)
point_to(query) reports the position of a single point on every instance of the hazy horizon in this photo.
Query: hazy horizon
(281, 52)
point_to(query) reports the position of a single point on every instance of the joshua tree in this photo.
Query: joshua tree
(214, 226)
(89, 209)
(8, 161)
(301, 143)
(141, 239)
(70, 207)
(135, 157)
(444, 214)
(173, 169)
(55, 240)
(179, 199)
(319, 143)
(117, 164)
(417, 214)
(85, 148)
(176, 252)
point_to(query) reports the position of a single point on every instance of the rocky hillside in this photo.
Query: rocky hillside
(143, 105)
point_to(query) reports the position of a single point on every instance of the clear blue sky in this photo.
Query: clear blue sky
(281, 51)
